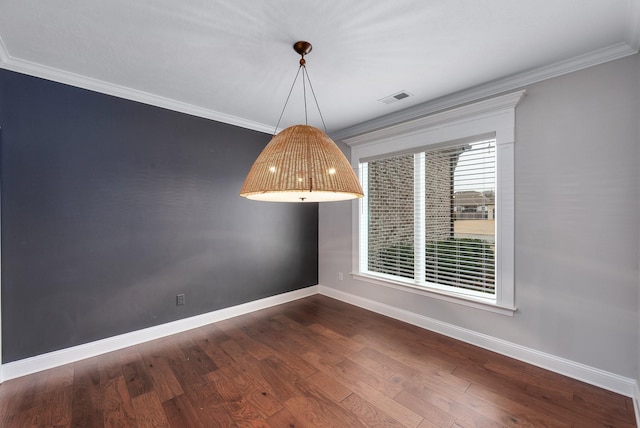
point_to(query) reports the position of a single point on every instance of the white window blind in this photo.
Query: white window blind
(431, 217)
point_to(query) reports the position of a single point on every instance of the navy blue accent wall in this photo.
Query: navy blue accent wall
(111, 207)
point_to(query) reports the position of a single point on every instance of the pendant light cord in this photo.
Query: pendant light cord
(287, 101)
(304, 92)
(314, 99)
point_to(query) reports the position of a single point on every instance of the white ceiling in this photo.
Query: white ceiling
(231, 60)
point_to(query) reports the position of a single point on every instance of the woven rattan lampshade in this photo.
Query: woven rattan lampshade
(301, 164)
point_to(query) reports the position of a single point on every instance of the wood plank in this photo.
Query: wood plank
(238, 362)
(314, 411)
(616, 407)
(61, 377)
(118, 409)
(199, 389)
(87, 395)
(149, 411)
(309, 414)
(285, 348)
(432, 413)
(329, 386)
(110, 364)
(369, 414)
(162, 377)
(199, 361)
(26, 390)
(398, 367)
(285, 419)
(557, 405)
(253, 347)
(241, 409)
(353, 370)
(377, 398)
(407, 350)
(320, 400)
(539, 412)
(251, 389)
(307, 340)
(53, 408)
(336, 338)
(465, 416)
(280, 378)
(137, 379)
(180, 412)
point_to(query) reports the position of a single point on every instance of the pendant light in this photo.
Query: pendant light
(301, 163)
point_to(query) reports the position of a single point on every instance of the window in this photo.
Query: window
(438, 213)
(427, 220)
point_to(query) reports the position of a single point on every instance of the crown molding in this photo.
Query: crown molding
(632, 32)
(600, 56)
(4, 54)
(7, 62)
(488, 107)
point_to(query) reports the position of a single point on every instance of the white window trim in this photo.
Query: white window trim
(495, 116)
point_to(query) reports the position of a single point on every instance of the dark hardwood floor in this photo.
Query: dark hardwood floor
(315, 362)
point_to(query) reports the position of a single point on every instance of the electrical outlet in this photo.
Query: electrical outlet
(180, 300)
(340, 276)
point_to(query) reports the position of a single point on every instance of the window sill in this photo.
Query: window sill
(475, 302)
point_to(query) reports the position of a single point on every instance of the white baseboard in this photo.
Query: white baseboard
(69, 355)
(603, 379)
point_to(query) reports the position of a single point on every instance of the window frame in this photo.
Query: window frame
(493, 118)
(419, 224)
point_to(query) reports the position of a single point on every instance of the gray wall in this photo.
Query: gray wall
(110, 208)
(577, 215)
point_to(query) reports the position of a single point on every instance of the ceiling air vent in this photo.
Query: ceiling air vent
(395, 97)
